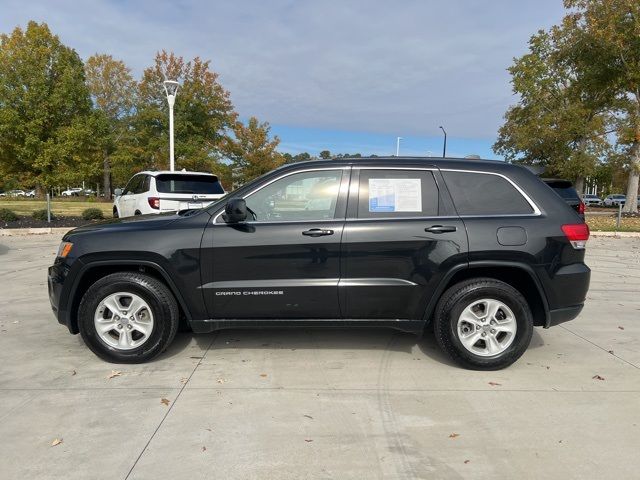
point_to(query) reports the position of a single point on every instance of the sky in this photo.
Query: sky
(347, 76)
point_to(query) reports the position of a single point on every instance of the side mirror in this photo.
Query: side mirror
(235, 211)
(117, 192)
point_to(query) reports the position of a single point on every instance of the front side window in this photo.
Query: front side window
(302, 196)
(133, 186)
(485, 194)
(397, 193)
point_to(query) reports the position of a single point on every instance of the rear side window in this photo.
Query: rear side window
(397, 193)
(198, 184)
(564, 188)
(485, 194)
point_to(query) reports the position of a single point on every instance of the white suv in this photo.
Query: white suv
(165, 191)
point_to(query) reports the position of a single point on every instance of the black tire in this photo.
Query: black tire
(461, 295)
(160, 300)
(137, 212)
(115, 212)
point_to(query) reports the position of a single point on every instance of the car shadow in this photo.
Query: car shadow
(320, 338)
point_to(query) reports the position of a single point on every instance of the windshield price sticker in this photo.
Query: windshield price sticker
(395, 195)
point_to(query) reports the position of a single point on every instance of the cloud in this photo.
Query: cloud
(402, 67)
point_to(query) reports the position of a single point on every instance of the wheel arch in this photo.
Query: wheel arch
(98, 269)
(518, 275)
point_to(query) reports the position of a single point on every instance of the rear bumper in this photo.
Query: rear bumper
(562, 315)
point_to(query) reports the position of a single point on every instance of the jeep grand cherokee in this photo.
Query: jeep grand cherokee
(482, 250)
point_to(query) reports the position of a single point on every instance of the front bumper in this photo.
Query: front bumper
(58, 292)
(562, 315)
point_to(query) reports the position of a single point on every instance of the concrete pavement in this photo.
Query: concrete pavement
(334, 404)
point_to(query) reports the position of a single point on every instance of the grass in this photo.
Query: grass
(67, 207)
(606, 223)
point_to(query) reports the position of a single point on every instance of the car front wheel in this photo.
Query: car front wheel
(128, 317)
(483, 324)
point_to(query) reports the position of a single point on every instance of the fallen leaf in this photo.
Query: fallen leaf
(263, 375)
(308, 440)
(221, 380)
(165, 401)
(610, 351)
(197, 358)
(183, 380)
(597, 377)
(204, 449)
(621, 328)
(57, 441)
(73, 373)
(454, 435)
(467, 461)
(495, 384)
(115, 373)
(308, 416)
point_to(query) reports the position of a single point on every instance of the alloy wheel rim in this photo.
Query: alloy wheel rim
(123, 320)
(487, 327)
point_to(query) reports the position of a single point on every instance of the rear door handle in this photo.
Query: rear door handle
(440, 229)
(317, 232)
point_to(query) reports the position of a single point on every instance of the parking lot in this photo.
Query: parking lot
(310, 403)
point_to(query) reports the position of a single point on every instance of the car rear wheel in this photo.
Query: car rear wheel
(483, 324)
(128, 317)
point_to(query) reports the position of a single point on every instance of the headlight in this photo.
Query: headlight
(65, 248)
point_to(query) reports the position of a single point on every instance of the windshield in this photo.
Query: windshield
(195, 184)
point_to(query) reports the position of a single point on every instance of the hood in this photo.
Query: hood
(147, 222)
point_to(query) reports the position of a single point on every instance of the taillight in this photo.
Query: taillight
(154, 202)
(577, 234)
(581, 208)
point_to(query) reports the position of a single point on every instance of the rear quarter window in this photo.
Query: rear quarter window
(485, 194)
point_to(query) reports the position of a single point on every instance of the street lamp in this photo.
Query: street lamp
(398, 146)
(171, 89)
(444, 149)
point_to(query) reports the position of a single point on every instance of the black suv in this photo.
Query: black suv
(482, 250)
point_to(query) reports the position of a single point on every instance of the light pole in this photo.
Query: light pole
(171, 89)
(398, 146)
(444, 148)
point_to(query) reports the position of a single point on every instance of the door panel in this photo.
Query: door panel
(273, 271)
(392, 267)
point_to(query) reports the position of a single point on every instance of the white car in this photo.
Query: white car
(614, 200)
(589, 200)
(30, 194)
(165, 191)
(15, 193)
(72, 192)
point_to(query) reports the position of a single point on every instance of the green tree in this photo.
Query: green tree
(325, 154)
(560, 122)
(203, 115)
(46, 122)
(610, 50)
(112, 89)
(251, 150)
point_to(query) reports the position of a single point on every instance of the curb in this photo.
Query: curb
(616, 234)
(16, 232)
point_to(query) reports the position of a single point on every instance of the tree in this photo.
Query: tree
(46, 122)
(612, 36)
(113, 90)
(251, 151)
(560, 122)
(203, 115)
(325, 154)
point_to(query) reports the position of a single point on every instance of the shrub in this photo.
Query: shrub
(92, 214)
(7, 215)
(42, 215)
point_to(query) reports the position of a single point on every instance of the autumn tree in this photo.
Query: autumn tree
(560, 122)
(251, 150)
(46, 121)
(203, 115)
(610, 54)
(112, 89)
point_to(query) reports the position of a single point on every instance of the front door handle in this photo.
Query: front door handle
(440, 229)
(317, 232)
